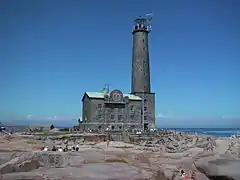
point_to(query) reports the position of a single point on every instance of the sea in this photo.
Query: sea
(219, 132)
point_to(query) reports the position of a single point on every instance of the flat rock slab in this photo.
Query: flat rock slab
(218, 166)
(228, 167)
(5, 156)
(97, 171)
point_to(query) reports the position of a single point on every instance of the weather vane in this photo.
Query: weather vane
(149, 21)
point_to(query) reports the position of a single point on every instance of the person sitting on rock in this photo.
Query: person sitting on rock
(65, 149)
(45, 148)
(77, 148)
(54, 148)
(182, 172)
(60, 149)
(73, 148)
(193, 175)
(184, 176)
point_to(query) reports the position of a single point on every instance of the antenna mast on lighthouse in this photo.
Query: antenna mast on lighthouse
(149, 21)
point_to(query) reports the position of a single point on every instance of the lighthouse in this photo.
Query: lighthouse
(141, 81)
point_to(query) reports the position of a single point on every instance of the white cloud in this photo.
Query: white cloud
(164, 115)
(159, 115)
(60, 121)
(51, 118)
(230, 117)
(169, 120)
(168, 116)
(29, 116)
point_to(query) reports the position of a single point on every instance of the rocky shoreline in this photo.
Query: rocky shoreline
(158, 156)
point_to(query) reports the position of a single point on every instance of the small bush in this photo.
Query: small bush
(115, 160)
(52, 127)
(64, 129)
(31, 142)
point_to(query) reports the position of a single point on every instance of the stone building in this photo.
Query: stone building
(118, 111)
(113, 110)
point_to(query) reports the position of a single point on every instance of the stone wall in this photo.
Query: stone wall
(118, 117)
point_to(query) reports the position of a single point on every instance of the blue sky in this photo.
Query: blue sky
(52, 51)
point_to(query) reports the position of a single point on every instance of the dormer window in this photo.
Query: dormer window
(131, 107)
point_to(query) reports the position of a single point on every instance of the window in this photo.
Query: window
(132, 116)
(119, 117)
(99, 127)
(112, 116)
(132, 107)
(145, 108)
(144, 48)
(145, 102)
(120, 127)
(145, 117)
(143, 40)
(113, 127)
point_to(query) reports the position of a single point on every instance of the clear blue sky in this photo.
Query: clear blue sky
(52, 51)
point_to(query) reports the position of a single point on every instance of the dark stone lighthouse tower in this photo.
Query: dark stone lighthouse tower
(141, 85)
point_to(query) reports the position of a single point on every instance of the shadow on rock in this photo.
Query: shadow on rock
(33, 160)
(220, 178)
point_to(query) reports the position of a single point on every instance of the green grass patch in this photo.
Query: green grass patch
(31, 142)
(115, 160)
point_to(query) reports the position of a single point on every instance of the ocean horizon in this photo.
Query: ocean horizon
(218, 132)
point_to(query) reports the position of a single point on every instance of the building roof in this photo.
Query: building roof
(100, 95)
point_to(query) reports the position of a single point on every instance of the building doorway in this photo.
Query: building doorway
(145, 126)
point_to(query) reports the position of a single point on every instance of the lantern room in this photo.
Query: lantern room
(140, 24)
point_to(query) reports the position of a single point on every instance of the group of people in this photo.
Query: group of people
(185, 176)
(61, 149)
